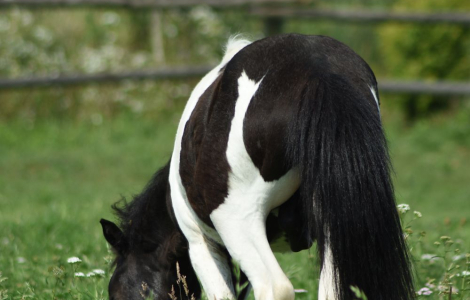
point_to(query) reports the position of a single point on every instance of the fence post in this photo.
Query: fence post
(156, 29)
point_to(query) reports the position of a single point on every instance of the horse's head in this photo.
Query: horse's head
(145, 268)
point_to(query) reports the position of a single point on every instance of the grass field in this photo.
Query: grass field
(59, 177)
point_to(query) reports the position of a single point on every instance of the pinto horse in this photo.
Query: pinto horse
(282, 141)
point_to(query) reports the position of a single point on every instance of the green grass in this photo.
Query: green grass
(59, 177)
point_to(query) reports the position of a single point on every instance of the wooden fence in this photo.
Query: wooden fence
(274, 13)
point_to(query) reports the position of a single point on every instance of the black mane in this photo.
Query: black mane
(146, 220)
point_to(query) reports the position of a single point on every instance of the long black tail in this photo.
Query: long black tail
(346, 189)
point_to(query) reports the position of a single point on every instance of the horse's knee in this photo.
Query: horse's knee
(284, 291)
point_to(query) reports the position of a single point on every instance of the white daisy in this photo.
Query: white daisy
(98, 272)
(74, 260)
(403, 208)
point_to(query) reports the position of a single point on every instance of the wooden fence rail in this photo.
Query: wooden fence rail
(385, 86)
(77, 79)
(364, 16)
(136, 4)
(259, 8)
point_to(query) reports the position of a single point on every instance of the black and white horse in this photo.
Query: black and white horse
(282, 140)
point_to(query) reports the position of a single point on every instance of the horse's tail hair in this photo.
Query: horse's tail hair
(347, 193)
(234, 45)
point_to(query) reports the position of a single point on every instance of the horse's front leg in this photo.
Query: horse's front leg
(246, 241)
(241, 223)
(209, 261)
(211, 264)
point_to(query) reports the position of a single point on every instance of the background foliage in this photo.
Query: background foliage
(68, 153)
(429, 52)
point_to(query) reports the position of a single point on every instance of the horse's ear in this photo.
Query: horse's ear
(113, 235)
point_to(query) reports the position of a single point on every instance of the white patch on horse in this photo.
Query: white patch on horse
(241, 219)
(210, 265)
(375, 97)
(326, 290)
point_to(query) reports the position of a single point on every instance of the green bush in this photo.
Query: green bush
(426, 52)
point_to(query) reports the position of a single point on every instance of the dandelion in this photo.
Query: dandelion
(403, 208)
(98, 272)
(424, 292)
(417, 214)
(21, 260)
(74, 260)
(79, 274)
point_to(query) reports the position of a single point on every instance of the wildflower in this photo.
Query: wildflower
(403, 208)
(79, 274)
(447, 289)
(21, 260)
(430, 257)
(465, 273)
(298, 291)
(90, 274)
(424, 291)
(417, 214)
(427, 256)
(98, 272)
(74, 260)
(458, 257)
(430, 285)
